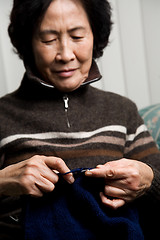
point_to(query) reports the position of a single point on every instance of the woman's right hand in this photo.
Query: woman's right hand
(33, 176)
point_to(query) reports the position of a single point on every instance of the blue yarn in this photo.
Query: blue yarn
(75, 212)
(75, 171)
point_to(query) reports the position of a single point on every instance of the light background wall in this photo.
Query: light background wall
(131, 63)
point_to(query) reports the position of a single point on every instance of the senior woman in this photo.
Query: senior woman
(55, 122)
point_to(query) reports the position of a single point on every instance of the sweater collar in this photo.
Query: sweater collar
(94, 75)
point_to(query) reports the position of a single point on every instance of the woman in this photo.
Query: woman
(56, 121)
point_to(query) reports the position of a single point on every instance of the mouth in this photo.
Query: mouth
(66, 72)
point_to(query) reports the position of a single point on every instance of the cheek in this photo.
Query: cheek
(43, 57)
(86, 50)
(85, 57)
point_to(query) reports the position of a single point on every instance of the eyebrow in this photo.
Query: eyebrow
(47, 32)
(54, 32)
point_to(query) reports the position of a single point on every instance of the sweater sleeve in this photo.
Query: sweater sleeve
(141, 146)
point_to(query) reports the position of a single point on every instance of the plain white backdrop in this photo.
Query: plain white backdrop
(131, 63)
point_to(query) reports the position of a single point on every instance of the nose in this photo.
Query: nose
(65, 52)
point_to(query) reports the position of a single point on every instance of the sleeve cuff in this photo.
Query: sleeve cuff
(154, 190)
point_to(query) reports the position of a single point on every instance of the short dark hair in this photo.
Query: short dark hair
(27, 14)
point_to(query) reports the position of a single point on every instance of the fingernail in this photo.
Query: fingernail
(101, 194)
(88, 173)
(71, 180)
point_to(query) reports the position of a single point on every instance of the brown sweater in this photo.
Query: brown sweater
(85, 128)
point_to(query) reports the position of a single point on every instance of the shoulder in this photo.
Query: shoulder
(116, 108)
(9, 105)
(113, 99)
(7, 100)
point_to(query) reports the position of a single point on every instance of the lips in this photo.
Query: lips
(66, 72)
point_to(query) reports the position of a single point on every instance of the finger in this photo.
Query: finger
(38, 172)
(35, 192)
(115, 192)
(59, 165)
(28, 185)
(124, 184)
(45, 185)
(111, 170)
(101, 171)
(112, 203)
(46, 173)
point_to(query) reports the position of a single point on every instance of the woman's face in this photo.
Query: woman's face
(63, 45)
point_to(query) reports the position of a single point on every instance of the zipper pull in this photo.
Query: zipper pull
(66, 100)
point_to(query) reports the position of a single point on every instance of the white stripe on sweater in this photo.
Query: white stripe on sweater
(63, 135)
(139, 130)
(73, 135)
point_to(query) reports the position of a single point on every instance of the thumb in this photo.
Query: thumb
(58, 165)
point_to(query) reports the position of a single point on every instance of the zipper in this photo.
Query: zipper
(66, 101)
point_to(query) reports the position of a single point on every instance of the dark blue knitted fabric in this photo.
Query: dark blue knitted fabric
(75, 212)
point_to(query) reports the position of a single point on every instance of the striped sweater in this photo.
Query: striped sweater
(85, 128)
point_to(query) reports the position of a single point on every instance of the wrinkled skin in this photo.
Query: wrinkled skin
(125, 180)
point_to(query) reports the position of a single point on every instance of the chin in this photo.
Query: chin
(68, 87)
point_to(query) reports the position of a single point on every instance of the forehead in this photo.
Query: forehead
(64, 13)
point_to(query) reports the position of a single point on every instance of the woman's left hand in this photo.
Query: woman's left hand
(125, 180)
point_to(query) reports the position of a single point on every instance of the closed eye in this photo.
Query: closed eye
(77, 37)
(49, 41)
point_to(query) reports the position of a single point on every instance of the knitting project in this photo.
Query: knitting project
(75, 212)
